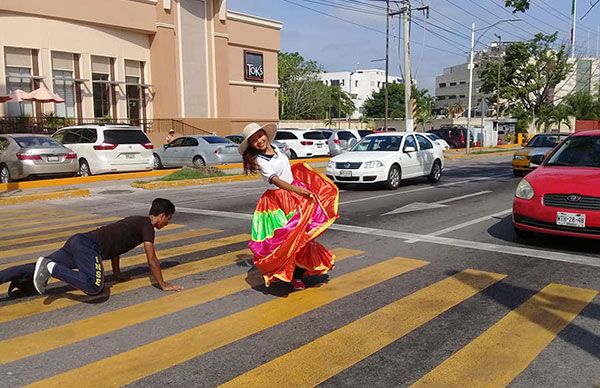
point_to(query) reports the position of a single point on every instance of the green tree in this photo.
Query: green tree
(517, 5)
(374, 106)
(583, 105)
(551, 115)
(529, 72)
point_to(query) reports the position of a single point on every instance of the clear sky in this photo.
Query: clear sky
(442, 40)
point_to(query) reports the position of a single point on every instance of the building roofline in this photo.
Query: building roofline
(252, 19)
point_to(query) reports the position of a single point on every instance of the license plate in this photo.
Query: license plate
(570, 219)
(53, 158)
(129, 156)
(346, 173)
(319, 145)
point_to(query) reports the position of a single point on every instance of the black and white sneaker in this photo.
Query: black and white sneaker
(41, 275)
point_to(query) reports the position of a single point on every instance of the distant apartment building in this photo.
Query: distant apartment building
(359, 84)
(585, 76)
(140, 59)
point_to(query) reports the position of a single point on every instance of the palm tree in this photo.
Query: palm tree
(560, 114)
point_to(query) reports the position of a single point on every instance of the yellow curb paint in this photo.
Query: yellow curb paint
(55, 245)
(66, 233)
(127, 367)
(55, 302)
(42, 341)
(82, 180)
(17, 199)
(58, 226)
(503, 351)
(327, 356)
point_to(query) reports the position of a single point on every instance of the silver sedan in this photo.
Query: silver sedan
(197, 150)
(26, 155)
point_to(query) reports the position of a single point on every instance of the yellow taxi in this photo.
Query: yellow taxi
(538, 145)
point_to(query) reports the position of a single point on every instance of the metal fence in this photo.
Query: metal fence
(49, 124)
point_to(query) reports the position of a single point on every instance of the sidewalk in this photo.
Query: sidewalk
(50, 189)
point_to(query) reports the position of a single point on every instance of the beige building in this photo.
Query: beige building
(156, 62)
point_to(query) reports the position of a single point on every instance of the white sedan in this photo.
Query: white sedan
(437, 140)
(389, 158)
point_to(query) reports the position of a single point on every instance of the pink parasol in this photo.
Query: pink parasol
(42, 94)
(18, 95)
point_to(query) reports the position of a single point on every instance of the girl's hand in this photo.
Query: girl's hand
(302, 191)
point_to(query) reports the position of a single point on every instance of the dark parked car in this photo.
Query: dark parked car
(454, 136)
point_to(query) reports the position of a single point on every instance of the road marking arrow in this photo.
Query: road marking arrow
(417, 206)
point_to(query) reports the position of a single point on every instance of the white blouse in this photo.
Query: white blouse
(276, 165)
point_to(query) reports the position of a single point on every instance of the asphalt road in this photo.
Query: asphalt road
(431, 286)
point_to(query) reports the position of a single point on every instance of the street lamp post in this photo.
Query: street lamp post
(471, 66)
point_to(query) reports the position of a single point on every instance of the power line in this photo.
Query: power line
(588, 11)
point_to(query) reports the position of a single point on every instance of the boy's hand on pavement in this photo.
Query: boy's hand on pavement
(171, 287)
(121, 277)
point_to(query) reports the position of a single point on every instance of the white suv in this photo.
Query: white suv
(107, 148)
(303, 143)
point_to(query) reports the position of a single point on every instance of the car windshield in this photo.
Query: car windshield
(577, 151)
(313, 136)
(37, 142)
(378, 143)
(216, 139)
(548, 141)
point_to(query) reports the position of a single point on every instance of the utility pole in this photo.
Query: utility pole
(498, 84)
(573, 25)
(387, 59)
(408, 115)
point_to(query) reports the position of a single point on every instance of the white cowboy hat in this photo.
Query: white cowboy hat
(250, 129)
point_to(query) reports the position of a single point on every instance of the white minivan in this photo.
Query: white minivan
(108, 148)
(303, 143)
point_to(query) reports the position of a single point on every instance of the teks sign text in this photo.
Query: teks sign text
(253, 66)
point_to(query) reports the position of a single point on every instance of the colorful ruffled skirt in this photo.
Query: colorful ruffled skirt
(285, 226)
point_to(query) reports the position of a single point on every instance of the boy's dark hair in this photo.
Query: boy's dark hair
(160, 206)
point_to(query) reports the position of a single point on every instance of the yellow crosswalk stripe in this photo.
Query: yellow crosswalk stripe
(327, 356)
(55, 302)
(45, 220)
(55, 245)
(57, 226)
(41, 215)
(65, 233)
(153, 357)
(503, 351)
(26, 210)
(42, 341)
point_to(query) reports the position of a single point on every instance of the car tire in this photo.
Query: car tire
(84, 168)
(198, 161)
(4, 174)
(394, 177)
(436, 172)
(157, 162)
(293, 155)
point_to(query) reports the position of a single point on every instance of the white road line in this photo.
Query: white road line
(496, 248)
(464, 197)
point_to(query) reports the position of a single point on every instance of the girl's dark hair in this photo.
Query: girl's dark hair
(249, 158)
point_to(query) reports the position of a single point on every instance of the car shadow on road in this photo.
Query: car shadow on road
(550, 316)
(504, 230)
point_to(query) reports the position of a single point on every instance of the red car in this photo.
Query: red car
(562, 196)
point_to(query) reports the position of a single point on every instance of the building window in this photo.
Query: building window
(18, 76)
(452, 83)
(63, 83)
(335, 82)
(133, 90)
(462, 82)
(462, 96)
(356, 83)
(101, 89)
(440, 98)
(442, 85)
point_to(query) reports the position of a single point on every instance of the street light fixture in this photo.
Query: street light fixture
(471, 65)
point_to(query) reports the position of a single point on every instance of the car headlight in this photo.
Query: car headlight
(331, 164)
(519, 157)
(372, 164)
(524, 190)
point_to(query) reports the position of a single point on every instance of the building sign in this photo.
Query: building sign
(253, 66)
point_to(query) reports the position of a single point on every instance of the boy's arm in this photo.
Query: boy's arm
(155, 268)
(115, 263)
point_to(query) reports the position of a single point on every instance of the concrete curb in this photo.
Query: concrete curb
(82, 180)
(473, 156)
(18, 199)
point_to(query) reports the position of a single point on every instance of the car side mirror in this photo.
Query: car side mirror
(165, 146)
(536, 160)
(352, 143)
(409, 150)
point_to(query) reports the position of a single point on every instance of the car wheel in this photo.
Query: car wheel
(436, 172)
(394, 176)
(84, 168)
(198, 161)
(4, 174)
(157, 162)
(293, 155)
